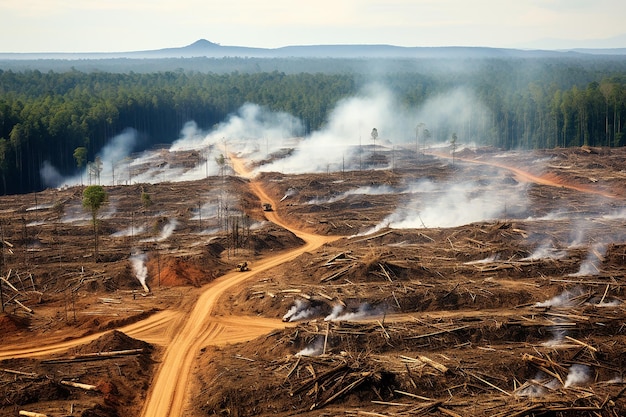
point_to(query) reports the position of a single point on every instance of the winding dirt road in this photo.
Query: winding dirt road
(168, 393)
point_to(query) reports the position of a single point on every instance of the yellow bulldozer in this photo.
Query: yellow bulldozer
(242, 266)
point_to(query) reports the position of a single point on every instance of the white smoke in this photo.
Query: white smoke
(40, 207)
(367, 190)
(489, 259)
(364, 311)
(348, 129)
(456, 204)
(532, 389)
(111, 157)
(207, 211)
(168, 229)
(616, 215)
(130, 231)
(253, 127)
(546, 251)
(300, 310)
(166, 232)
(346, 141)
(565, 299)
(192, 138)
(117, 149)
(290, 193)
(36, 223)
(336, 312)
(591, 264)
(141, 270)
(315, 349)
(538, 386)
(578, 375)
(50, 175)
(74, 212)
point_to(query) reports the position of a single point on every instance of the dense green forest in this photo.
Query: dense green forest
(532, 103)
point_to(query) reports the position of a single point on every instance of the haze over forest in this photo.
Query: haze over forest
(53, 104)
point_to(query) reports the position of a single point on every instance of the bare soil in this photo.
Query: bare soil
(438, 321)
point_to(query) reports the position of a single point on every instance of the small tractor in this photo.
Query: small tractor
(267, 207)
(242, 266)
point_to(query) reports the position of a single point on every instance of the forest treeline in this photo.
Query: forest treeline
(530, 103)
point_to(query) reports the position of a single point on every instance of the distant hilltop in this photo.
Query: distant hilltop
(205, 48)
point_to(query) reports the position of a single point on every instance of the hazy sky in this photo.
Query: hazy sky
(131, 25)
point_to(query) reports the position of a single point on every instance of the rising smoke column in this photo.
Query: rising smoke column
(141, 270)
(166, 232)
(347, 129)
(578, 375)
(591, 264)
(111, 156)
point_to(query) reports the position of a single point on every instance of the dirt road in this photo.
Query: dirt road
(167, 396)
(525, 176)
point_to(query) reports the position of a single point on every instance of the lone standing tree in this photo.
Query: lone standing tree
(94, 197)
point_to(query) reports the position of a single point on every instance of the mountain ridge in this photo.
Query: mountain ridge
(205, 48)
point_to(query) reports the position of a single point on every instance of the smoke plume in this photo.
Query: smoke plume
(141, 270)
(578, 375)
(301, 310)
(364, 310)
(456, 204)
(314, 349)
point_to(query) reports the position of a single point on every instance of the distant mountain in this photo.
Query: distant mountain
(608, 46)
(205, 48)
(600, 51)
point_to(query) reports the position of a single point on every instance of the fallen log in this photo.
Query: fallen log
(86, 387)
(28, 310)
(341, 255)
(441, 368)
(31, 414)
(28, 374)
(591, 348)
(489, 383)
(6, 281)
(419, 397)
(336, 275)
(95, 356)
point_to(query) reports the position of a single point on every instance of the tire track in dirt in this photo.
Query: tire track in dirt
(150, 330)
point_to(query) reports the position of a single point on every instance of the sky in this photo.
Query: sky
(137, 25)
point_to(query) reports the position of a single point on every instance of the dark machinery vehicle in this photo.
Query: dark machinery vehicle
(267, 207)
